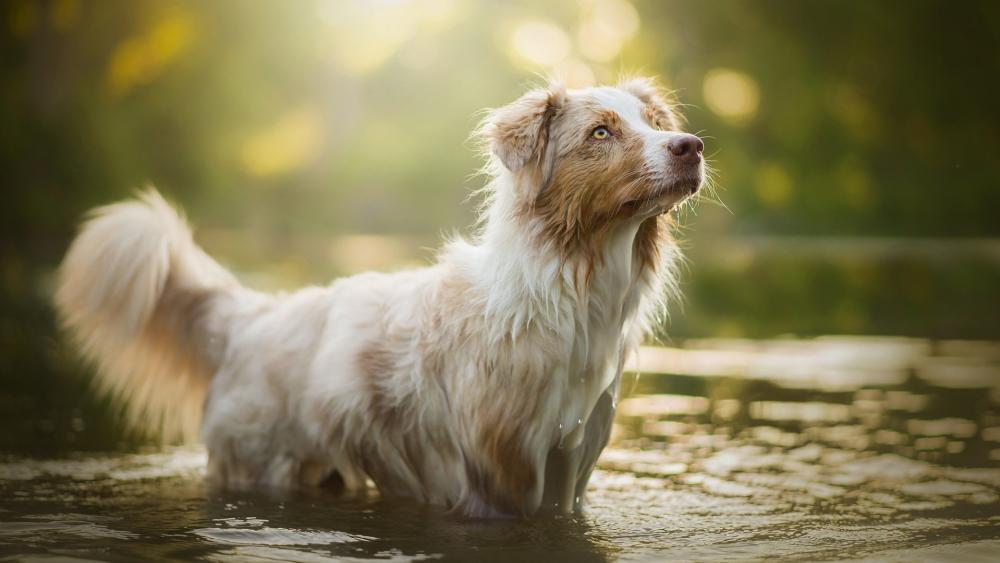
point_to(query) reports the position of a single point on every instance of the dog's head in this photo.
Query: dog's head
(583, 161)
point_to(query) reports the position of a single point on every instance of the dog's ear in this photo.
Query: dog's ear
(660, 106)
(519, 134)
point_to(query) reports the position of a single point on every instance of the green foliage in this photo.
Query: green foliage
(280, 124)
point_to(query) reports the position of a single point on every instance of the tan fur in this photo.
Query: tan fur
(485, 383)
(143, 308)
(592, 183)
(659, 104)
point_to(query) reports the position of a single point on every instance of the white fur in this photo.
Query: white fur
(289, 402)
(654, 141)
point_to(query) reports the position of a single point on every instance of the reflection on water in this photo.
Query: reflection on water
(804, 450)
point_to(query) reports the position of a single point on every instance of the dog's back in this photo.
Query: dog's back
(486, 382)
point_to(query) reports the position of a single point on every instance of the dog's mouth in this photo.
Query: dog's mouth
(665, 196)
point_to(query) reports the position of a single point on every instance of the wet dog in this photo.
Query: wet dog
(486, 382)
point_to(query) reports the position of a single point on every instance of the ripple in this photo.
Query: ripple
(173, 463)
(277, 536)
(941, 488)
(713, 468)
(260, 554)
(973, 552)
(40, 531)
(40, 558)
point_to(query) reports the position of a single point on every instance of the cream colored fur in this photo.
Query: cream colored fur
(485, 383)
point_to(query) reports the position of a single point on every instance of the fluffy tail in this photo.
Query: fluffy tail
(142, 300)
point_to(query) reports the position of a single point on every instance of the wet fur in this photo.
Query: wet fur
(486, 382)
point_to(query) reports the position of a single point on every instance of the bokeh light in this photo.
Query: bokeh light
(540, 42)
(294, 124)
(362, 36)
(140, 58)
(574, 73)
(313, 139)
(292, 141)
(606, 25)
(731, 94)
(773, 184)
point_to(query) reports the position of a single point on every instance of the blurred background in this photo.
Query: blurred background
(856, 146)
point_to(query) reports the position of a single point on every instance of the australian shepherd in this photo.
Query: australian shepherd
(485, 383)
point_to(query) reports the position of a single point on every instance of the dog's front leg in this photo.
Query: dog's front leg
(595, 439)
(561, 472)
(567, 471)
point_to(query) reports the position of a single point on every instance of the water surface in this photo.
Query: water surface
(828, 449)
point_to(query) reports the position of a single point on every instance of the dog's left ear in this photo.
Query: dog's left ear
(519, 134)
(659, 105)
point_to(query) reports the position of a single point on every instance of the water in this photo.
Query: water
(830, 449)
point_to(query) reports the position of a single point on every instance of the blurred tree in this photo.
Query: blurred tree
(281, 125)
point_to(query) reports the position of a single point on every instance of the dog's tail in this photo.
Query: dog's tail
(146, 305)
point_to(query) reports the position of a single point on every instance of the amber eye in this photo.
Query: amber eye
(600, 133)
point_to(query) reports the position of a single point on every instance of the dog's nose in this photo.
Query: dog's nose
(685, 146)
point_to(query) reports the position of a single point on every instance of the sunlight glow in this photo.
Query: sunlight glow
(140, 59)
(540, 42)
(359, 253)
(292, 141)
(575, 74)
(607, 24)
(731, 94)
(365, 34)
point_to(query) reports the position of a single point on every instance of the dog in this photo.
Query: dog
(485, 383)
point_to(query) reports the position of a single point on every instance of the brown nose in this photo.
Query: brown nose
(686, 146)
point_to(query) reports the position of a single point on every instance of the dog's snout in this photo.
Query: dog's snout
(685, 146)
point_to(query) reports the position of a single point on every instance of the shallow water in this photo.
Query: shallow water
(830, 449)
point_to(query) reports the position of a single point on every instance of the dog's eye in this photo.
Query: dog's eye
(600, 133)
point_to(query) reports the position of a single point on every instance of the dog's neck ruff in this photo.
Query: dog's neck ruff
(591, 313)
(528, 281)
